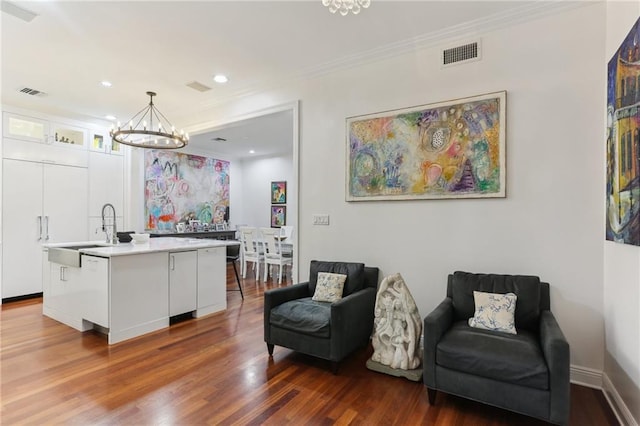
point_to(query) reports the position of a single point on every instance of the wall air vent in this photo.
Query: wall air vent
(460, 54)
(32, 92)
(198, 86)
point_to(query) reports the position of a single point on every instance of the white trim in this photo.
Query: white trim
(529, 11)
(586, 377)
(294, 106)
(619, 408)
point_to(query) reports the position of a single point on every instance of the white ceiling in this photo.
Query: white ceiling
(161, 46)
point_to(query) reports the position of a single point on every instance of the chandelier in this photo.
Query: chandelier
(344, 6)
(141, 132)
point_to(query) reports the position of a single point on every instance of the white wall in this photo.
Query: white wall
(550, 224)
(622, 268)
(257, 175)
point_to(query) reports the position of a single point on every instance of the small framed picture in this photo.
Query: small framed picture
(278, 216)
(279, 192)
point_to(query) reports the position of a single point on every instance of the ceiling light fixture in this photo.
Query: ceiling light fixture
(105, 83)
(219, 78)
(346, 6)
(110, 117)
(142, 136)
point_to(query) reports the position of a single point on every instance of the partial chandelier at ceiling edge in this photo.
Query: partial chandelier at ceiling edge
(346, 6)
(149, 128)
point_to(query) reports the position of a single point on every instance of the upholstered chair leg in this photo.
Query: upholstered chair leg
(270, 349)
(334, 367)
(432, 395)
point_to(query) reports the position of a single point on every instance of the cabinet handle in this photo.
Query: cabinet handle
(46, 227)
(173, 263)
(39, 228)
(62, 277)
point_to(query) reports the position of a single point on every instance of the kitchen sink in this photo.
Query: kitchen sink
(69, 255)
(83, 246)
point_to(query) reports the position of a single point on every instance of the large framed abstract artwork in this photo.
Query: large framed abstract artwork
(452, 149)
(623, 141)
(182, 187)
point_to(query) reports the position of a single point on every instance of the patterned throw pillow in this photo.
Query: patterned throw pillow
(494, 312)
(329, 287)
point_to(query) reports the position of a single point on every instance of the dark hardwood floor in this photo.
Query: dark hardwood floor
(216, 370)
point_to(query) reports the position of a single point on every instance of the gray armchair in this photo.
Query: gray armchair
(325, 330)
(527, 372)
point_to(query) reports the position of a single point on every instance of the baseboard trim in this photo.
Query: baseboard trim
(616, 403)
(586, 377)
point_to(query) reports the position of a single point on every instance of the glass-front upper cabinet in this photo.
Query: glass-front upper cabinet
(64, 134)
(115, 147)
(101, 142)
(25, 128)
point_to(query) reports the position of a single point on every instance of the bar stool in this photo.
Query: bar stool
(233, 254)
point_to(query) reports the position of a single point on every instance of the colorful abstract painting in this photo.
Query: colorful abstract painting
(182, 187)
(278, 216)
(453, 149)
(623, 142)
(279, 192)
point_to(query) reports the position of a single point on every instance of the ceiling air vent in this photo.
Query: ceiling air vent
(465, 53)
(32, 92)
(198, 86)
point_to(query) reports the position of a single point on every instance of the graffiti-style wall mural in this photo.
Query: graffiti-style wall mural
(182, 187)
(623, 141)
(453, 149)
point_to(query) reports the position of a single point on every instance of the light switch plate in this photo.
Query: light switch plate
(321, 219)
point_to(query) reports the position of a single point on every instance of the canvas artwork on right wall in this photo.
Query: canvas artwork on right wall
(623, 141)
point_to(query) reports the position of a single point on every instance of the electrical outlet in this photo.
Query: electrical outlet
(321, 219)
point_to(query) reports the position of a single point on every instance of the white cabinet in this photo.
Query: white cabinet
(212, 283)
(31, 129)
(139, 295)
(106, 185)
(182, 282)
(26, 128)
(67, 135)
(95, 291)
(64, 297)
(100, 141)
(42, 203)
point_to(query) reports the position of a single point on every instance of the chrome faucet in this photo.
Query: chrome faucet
(114, 230)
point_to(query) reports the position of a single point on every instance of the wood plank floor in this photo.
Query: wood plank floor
(216, 370)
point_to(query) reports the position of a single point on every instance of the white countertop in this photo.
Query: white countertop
(158, 244)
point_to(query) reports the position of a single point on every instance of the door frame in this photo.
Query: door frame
(292, 210)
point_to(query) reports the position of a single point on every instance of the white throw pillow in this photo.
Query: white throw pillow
(329, 287)
(494, 312)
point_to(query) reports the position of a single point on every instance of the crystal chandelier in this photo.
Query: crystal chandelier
(141, 132)
(344, 6)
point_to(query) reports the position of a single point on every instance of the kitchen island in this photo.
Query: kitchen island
(129, 289)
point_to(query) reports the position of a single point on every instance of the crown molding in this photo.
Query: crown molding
(528, 11)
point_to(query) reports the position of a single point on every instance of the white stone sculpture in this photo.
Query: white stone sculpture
(397, 326)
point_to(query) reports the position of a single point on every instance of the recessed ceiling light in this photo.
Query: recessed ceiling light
(110, 117)
(220, 78)
(106, 83)
(252, 151)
